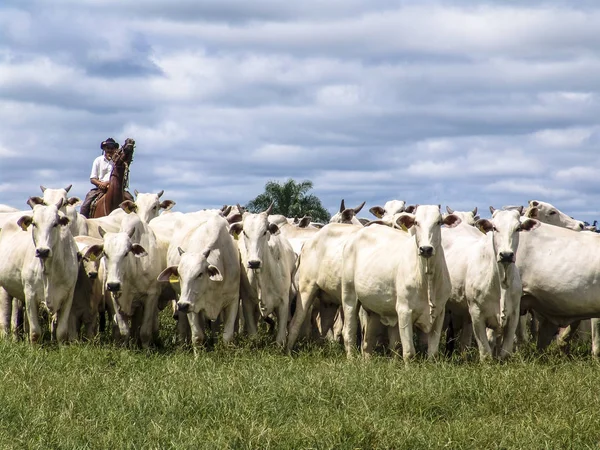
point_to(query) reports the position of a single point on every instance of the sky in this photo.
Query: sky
(461, 103)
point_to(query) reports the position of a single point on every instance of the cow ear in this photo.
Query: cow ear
(534, 203)
(128, 206)
(347, 215)
(94, 252)
(234, 218)
(101, 231)
(170, 275)
(377, 211)
(411, 209)
(273, 229)
(213, 273)
(451, 220)
(484, 225)
(167, 204)
(32, 201)
(63, 220)
(24, 222)
(304, 222)
(532, 213)
(72, 201)
(405, 221)
(138, 251)
(235, 229)
(529, 224)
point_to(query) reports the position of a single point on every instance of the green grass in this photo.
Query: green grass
(253, 396)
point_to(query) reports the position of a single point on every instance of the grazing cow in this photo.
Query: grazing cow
(147, 206)
(268, 262)
(39, 268)
(559, 273)
(132, 264)
(547, 213)
(492, 281)
(401, 278)
(208, 272)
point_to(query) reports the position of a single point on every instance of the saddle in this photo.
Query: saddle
(95, 202)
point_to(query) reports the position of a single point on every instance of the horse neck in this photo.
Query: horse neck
(114, 194)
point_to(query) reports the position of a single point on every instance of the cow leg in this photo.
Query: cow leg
(231, 313)
(509, 334)
(372, 328)
(479, 330)
(283, 313)
(121, 327)
(18, 318)
(328, 314)
(522, 335)
(433, 337)
(31, 306)
(566, 335)
(62, 320)
(149, 318)
(351, 310)
(305, 298)
(405, 328)
(393, 339)
(546, 332)
(595, 338)
(466, 334)
(198, 335)
(338, 325)
(5, 312)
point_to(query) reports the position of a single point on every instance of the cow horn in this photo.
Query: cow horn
(475, 211)
(136, 192)
(270, 208)
(492, 209)
(342, 206)
(59, 203)
(161, 193)
(359, 207)
(101, 231)
(450, 210)
(43, 188)
(68, 188)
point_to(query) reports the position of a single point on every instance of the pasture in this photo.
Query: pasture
(251, 395)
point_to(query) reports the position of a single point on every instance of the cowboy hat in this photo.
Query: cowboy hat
(109, 142)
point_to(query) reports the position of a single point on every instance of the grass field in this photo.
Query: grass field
(253, 396)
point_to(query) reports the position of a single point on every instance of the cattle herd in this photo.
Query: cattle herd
(398, 280)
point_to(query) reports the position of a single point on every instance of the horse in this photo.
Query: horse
(114, 195)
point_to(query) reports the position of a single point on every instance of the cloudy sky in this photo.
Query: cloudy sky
(458, 102)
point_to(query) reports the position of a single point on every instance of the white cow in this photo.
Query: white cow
(547, 213)
(268, 262)
(208, 272)
(401, 278)
(147, 206)
(492, 281)
(132, 264)
(39, 268)
(77, 222)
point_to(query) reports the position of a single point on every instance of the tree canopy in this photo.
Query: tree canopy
(290, 199)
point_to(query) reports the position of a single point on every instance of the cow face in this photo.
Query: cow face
(46, 223)
(53, 196)
(347, 215)
(147, 206)
(256, 231)
(117, 250)
(427, 222)
(547, 213)
(195, 275)
(506, 226)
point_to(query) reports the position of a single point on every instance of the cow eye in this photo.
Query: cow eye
(55, 225)
(552, 213)
(519, 228)
(200, 275)
(265, 233)
(33, 224)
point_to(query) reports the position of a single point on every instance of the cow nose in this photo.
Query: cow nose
(93, 275)
(113, 286)
(254, 264)
(183, 307)
(426, 251)
(506, 257)
(42, 252)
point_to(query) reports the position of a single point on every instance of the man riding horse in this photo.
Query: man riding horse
(102, 168)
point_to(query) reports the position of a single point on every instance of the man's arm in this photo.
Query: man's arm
(99, 184)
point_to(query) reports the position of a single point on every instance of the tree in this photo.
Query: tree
(291, 200)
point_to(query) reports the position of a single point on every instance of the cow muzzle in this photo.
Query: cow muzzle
(42, 252)
(183, 307)
(113, 286)
(506, 257)
(426, 251)
(254, 264)
(93, 275)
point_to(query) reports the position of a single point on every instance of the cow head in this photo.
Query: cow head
(147, 206)
(389, 209)
(347, 215)
(506, 226)
(427, 222)
(195, 275)
(256, 231)
(45, 222)
(117, 248)
(547, 213)
(468, 217)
